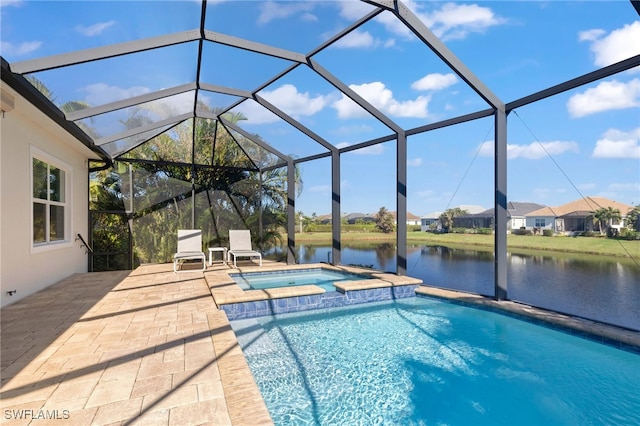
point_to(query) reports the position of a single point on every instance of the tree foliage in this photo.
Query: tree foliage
(605, 218)
(448, 216)
(159, 187)
(632, 218)
(384, 221)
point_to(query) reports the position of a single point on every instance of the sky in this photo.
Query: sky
(583, 142)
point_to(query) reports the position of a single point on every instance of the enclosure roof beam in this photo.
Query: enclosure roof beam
(347, 91)
(346, 31)
(37, 99)
(598, 74)
(103, 52)
(253, 46)
(366, 144)
(404, 14)
(225, 90)
(129, 102)
(142, 141)
(258, 142)
(146, 128)
(451, 121)
(183, 164)
(286, 117)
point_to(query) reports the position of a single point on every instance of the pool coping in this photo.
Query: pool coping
(226, 291)
(611, 335)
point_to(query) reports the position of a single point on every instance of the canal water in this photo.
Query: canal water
(602, 288)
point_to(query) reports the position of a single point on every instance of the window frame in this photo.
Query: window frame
(67, 204)
(540, 222)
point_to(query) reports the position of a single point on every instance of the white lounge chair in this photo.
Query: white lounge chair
(189, 248)
(240, 246)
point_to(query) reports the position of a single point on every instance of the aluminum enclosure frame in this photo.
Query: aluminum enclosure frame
(13, 75)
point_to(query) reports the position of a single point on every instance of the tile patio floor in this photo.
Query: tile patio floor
(125, 348)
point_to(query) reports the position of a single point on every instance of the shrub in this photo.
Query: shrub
(628, 234)
(485, 231)
(547, 232)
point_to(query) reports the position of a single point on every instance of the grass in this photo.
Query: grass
(587, 245)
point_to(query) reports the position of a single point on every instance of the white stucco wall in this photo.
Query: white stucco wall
(21, 267)
(548, 220)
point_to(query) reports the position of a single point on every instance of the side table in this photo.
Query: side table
(222, 250)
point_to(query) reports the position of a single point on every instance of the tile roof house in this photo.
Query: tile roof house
(516, 214)
(575, 216)
(412, 219)
(431, 222)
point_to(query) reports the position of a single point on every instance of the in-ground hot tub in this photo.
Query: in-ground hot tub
(323, 278)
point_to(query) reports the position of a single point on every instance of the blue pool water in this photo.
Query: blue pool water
(421, 361)
(318, 276)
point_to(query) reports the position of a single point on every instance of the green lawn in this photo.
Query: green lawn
(590, 245)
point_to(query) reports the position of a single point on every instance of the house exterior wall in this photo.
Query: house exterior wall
(517, 222)
(549, 222)
(23, 268)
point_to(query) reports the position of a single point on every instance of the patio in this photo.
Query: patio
(141, 347)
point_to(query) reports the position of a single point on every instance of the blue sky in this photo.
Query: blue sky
(582, 142)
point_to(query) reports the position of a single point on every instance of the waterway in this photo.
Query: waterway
(601, 288)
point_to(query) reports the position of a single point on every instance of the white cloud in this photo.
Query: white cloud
(24, 48)
(255, 113)
(288, 99)
(414, 162)
(435, 82)
(294, 103)
(533, 151)
(382, 98)
(356, 38)
(608, 95)
(590, 35)
(102, 93)
(614, 47)
(309, 17)
(457, 21)
(450, 21)
(94, 29)
(353, 10)
(272, 10)
(618, 144)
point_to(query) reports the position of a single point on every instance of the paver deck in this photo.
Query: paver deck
(142, 347)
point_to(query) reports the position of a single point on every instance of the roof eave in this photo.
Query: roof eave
(21, 85)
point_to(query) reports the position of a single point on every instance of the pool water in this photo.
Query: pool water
(423, 361)
(321, 277)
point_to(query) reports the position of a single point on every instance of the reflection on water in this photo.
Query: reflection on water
(602, 288)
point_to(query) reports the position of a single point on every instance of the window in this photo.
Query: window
(50, 207)
(540, 223)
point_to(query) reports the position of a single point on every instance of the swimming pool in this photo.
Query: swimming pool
(321, 277)
(425, 361)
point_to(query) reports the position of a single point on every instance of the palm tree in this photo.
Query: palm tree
(447, 217)
(605, 218)
(632, 218)
(67, 107)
